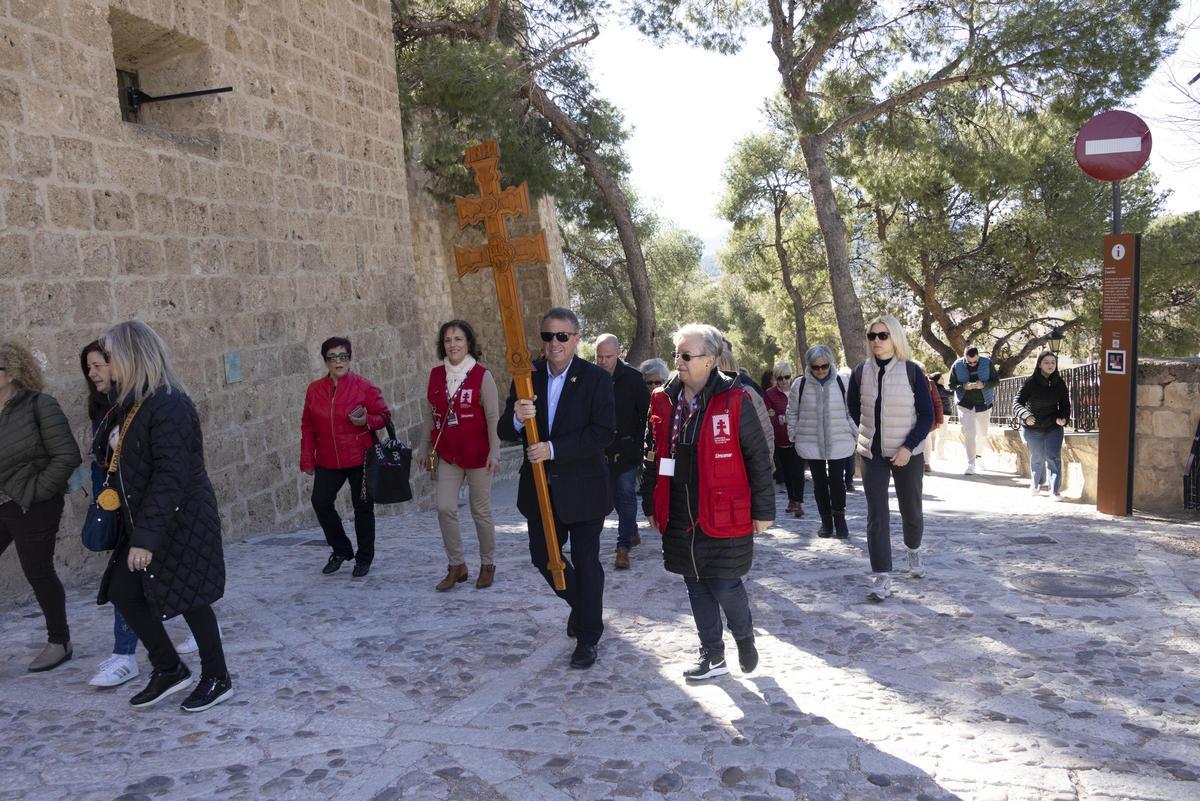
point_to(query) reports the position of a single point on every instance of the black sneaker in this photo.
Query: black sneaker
(208, 693)
(361, 569)
(708, 667)
(163, 683)
(333, 565)
(747, 655)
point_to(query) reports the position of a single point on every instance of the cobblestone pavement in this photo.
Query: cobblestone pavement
(959, 687)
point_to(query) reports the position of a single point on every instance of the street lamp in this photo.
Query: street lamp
(1056, 339)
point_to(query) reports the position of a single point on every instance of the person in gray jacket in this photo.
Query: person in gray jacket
(818, 422)
(37, 455)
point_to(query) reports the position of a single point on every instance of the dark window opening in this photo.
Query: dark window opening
(127, 80)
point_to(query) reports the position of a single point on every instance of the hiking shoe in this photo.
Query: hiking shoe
(163, 683)
(211, 691)
(622, 561)
(747, 655)
(880, 587)
(115, 671)
(916, 568)
(707, 667)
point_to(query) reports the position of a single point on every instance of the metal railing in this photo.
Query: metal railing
(1083, 382)
(1191, 475)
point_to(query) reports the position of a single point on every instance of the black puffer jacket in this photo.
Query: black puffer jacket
(689, 551)
(37, 450)
(169, 507)
(1046, 399)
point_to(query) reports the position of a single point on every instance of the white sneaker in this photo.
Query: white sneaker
(1035, 490)
(970, 471)
(115, 671)
(880, 587)
(189, 645)
(916, 568)
(1054, 496)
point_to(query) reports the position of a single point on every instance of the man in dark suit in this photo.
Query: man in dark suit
(625, 453)
(573, 405)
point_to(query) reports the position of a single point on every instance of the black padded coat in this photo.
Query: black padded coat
(37, 450)
(168, 506)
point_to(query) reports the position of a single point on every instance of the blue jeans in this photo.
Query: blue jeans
(1045, 453)
(125, 642)
(709, 598)
(625, 495)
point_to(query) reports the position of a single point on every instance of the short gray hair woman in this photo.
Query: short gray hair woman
(698, 421)
(655, 373)
(819, 424)
(889, 399)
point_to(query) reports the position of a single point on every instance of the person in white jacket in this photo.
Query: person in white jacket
(819, 424)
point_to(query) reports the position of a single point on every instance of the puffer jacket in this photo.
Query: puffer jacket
(1046, 399)
(327, 437)
(818, 419)
(168, 506)
(38, 452)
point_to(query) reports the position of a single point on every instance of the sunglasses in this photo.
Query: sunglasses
(687, 357)
(655, 383)
(561, 336)
(783, 378)
(880, 335)
(817, 367)
(337, 357)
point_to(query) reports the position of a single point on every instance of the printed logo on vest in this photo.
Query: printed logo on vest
(720, 427)
(466, 395)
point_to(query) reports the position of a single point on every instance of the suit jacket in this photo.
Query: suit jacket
(633, 404)
(584, 422)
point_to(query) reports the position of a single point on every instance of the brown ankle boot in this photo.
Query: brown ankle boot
(487, 574)
(455, 574)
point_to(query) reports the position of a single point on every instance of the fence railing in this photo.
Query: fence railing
(1191, 475)
(1083, 382)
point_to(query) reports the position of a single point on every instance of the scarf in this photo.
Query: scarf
(455, 375)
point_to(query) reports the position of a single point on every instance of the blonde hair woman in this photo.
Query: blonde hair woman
(37, 454)
(168, 560)
(889, 401)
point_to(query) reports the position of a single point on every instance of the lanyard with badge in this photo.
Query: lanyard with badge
(682, 414)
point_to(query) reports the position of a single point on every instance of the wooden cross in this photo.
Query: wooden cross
(502, 254)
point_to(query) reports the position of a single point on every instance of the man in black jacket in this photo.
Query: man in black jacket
(625, 453)
(573, 405)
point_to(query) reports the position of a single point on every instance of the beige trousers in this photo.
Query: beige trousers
(479, 483)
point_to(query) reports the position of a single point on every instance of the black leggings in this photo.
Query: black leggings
(35, 533)
(829, 486)
(792, 467)
(126, 592)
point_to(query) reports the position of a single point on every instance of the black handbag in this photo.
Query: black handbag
(99, 532)
(386, 469)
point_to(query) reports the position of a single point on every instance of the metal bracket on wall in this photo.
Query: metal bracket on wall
(135, 97)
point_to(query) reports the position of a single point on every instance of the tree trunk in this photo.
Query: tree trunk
(642, 346)
(798, 310)
(851, 325)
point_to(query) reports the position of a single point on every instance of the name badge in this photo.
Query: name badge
(666, 467)
(451, 419)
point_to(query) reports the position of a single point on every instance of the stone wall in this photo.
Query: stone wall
(244, 226)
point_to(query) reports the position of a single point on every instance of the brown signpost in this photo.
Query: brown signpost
(1118, 373)
(502, 255)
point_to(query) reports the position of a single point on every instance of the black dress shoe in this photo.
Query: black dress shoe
(361, 569)
(211, 691)
(571, 625)
(333, 565)
(584, 656)
(163, 683)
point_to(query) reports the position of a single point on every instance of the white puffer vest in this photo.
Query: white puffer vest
(819, 424)
(899, 411)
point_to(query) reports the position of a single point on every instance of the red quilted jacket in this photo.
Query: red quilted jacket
(327, 437)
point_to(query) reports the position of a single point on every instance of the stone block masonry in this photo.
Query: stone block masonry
(257, 222)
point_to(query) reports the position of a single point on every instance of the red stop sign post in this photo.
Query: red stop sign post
(1112, 146)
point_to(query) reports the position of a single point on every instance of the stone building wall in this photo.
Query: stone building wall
(243, 226)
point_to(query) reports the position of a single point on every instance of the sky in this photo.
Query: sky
(688, 108)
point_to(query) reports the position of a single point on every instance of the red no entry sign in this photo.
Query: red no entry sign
(1113, 145)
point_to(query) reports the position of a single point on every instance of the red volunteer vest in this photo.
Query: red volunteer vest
(724, 501)
(465, 444)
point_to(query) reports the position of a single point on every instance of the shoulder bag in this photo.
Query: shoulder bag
(100, 524)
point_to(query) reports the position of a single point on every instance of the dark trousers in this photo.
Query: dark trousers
(35, 533)
(584, 574)
(851, 464)
(792, 467)
(326, 485)
(877, 474)
(709, 598)
(829, 486)
(624, 486)
(126, 592)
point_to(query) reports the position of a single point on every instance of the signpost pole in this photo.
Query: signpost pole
(1116, 207)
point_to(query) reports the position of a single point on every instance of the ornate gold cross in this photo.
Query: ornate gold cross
(502, 254)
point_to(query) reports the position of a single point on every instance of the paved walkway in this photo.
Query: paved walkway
(959, 687)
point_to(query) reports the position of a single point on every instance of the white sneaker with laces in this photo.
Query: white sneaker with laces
(916, 568)
(115, 671)
(1054, 496)
(880, 588)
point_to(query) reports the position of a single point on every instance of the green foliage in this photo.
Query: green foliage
(1170, 289)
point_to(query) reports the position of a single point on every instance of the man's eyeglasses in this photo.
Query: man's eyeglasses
(655, 383)
(783, 378)
(337, 357)
(687, 357)
(816, 368)
(561, 336)
(880, 335)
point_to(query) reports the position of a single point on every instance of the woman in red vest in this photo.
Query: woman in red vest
(340, 412)
(707, 487)
(459, 442)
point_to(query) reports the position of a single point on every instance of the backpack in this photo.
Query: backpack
(803, 380)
